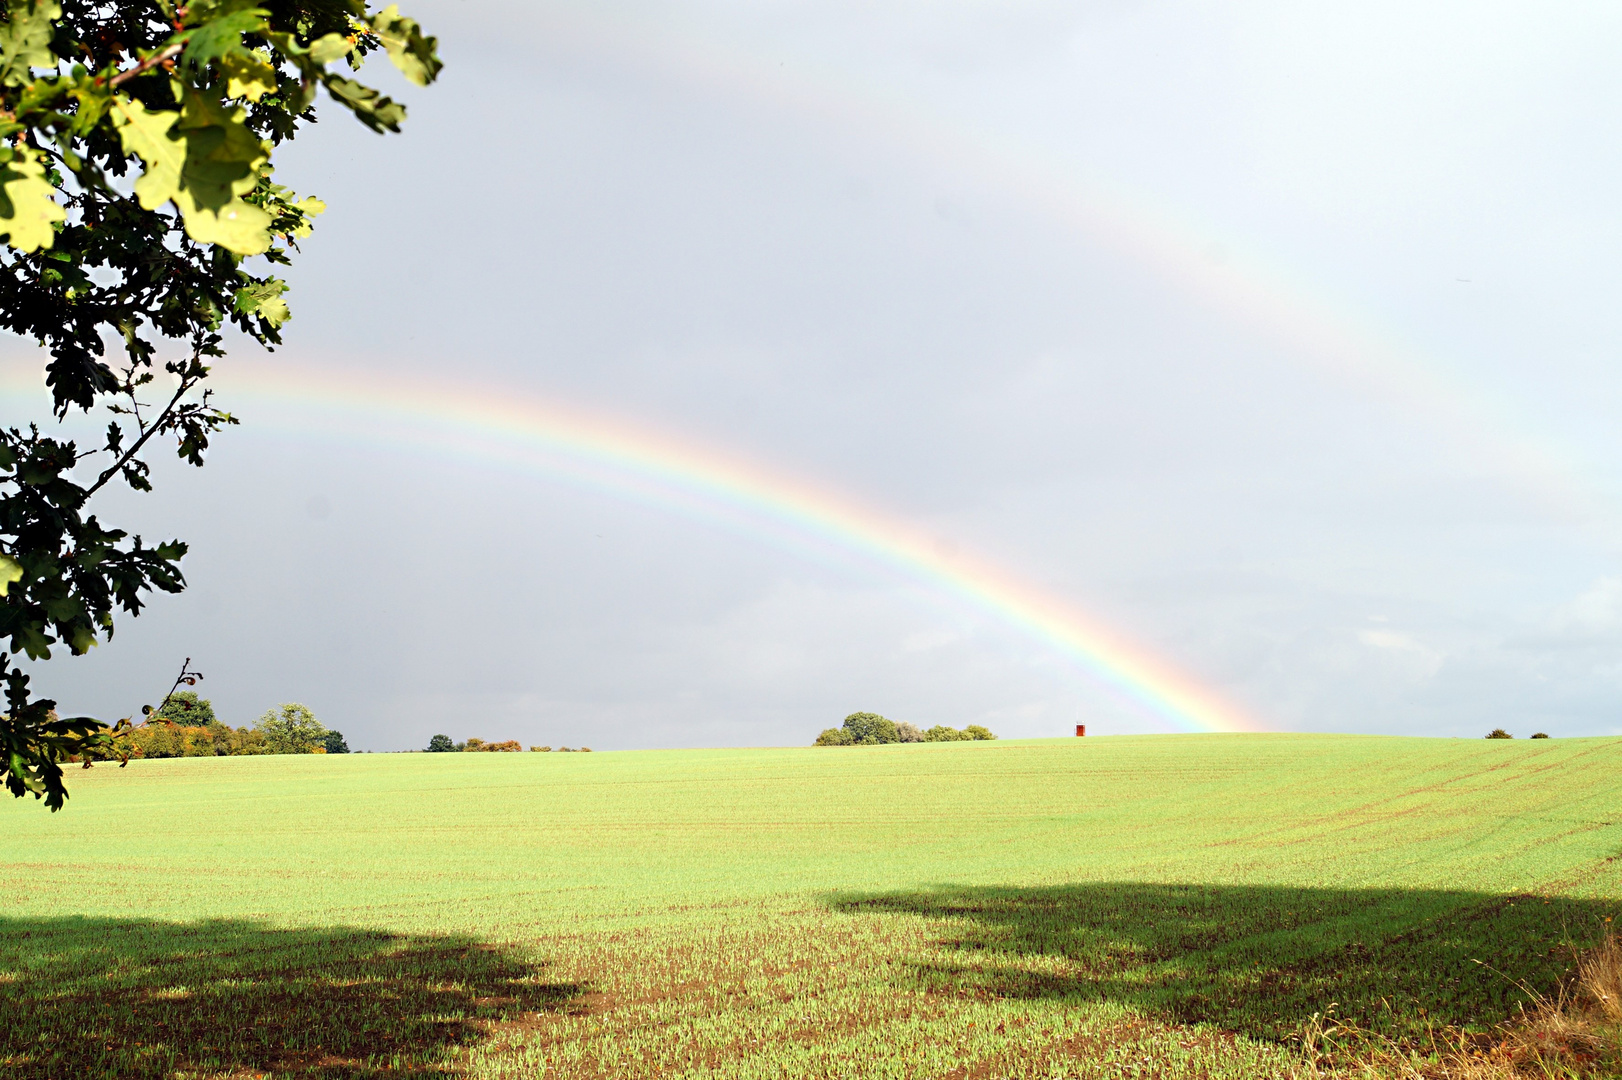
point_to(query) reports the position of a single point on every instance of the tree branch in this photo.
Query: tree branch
(147, 432)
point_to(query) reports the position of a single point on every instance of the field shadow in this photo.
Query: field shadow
(87, 997)
(1256, 960)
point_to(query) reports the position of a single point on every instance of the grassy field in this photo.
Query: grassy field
(1157, 906)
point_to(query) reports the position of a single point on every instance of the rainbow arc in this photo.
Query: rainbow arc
(563, 442)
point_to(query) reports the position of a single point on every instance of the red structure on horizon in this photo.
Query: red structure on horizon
(1081, 729)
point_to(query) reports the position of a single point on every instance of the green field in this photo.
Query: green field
(1133, 906)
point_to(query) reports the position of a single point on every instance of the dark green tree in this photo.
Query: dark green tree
(336, 744)
(866, 729)
(442, 744)
(185, 707)
(137, 210)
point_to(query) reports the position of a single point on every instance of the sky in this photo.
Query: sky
(694, 374)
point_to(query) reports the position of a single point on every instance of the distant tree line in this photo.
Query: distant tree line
(871, 729)
(186, 726)
(442, 744)
(1500, 733)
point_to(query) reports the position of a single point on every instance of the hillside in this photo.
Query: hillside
(896, 910)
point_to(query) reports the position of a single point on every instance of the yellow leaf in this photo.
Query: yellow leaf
(10, 570)
(324, 50)
(27, 209)
(148, 135)
(247, 75)
(237, 226)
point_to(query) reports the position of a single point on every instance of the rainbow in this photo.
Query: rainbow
(1312, 327)
(599, 453)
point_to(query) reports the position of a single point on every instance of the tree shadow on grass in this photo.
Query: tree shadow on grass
(86, 997)
(1256, 960)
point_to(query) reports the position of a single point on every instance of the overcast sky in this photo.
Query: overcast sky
(1279, 339)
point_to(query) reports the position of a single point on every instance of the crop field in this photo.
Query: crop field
(1168, 906)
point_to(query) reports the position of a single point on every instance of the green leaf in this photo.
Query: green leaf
(32, 642)
(84, 639)
(309, 207)
(27, 207)
(25, 39)
(369, 106)
(248, 75)
(264, 299)
(416, 56)
(64, 608)
(10, 571)
(222, 156)
(221, 37)
(204, 158)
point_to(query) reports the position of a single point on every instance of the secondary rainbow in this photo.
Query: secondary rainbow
(604, 454)
(1311, 325)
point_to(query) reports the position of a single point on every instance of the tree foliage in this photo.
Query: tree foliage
(185, 707)
(165, 739)
(290, 728)
(441, 744)
(138, 211)
(868, 729)
(871, 729)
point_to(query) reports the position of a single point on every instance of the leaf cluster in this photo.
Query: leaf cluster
(138, 214)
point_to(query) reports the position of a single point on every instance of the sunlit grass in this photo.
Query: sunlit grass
(1173, 906)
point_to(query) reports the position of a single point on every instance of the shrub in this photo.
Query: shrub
(472, 746)
(335, 743)
(540, 749)
(942, 733)
(585, 749)
(290, 728)
(508, 747)
(1499, 733)
(161, 739)
(441, 744)
(230, 741)
(978, 732)
(834, 736)
(908, 732)
(164, 739)
(870, 729)
(1541, 735)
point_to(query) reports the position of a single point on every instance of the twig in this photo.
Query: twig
(190, 678)
(146, 65)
